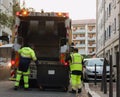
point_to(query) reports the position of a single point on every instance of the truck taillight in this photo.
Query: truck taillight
(59, 14)
(12, 62)
(66, 64)
(62, 59)
(23, 12)
(62, 14)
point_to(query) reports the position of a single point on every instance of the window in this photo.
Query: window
(109, 30)
(105, 35)
(109, 9)
(107, 13)
(115, 24)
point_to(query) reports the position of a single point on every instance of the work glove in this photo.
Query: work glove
(36, 62)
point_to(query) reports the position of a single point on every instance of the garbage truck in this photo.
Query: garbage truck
(49, 33)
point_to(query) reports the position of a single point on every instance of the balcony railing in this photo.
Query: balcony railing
(91, 53)
(92, 31)
(80, 45)
(93, 38)
(79, 38)
(82, 52)
(92, 45)
(79, 31)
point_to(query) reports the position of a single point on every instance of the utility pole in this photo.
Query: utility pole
(118, 65)
(104, 80)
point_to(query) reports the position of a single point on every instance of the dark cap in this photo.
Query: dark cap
(75, 50)
(27, 45)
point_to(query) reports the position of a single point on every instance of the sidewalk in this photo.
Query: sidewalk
(84, 92)
(95, 90)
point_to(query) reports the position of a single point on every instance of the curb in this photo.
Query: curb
(90, 92)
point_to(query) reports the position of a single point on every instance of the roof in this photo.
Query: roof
(84, 21)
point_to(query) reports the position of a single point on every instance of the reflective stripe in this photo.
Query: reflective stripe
(73, 60)
(19, 72)
(76, 63)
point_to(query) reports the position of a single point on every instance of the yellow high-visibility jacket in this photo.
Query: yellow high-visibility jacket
(76, 63)
(27, 52)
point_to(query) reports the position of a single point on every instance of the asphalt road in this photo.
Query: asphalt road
(6, 90)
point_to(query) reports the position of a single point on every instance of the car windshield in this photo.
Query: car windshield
(98, 62)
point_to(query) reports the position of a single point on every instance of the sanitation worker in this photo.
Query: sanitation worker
(26, 55)
(75, 61)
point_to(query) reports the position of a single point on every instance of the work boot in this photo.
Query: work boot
(79, 90)
(73, 91)
(15, 88)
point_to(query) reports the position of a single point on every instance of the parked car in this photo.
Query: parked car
(89, 69)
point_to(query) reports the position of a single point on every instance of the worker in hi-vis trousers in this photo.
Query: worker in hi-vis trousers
(26, 55)
(75, 61)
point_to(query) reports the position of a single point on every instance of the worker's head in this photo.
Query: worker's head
(27, 45)
(75, 50)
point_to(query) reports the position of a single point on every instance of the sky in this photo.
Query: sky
(77, 9)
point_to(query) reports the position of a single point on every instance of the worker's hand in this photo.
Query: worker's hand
(36, 62)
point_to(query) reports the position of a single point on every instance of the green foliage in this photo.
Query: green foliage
(6, 20)
(3, 19)
(16, 8)
(9, 20)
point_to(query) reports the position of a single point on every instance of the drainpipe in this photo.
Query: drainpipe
(118, 65)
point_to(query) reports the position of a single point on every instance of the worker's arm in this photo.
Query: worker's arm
(34, 57)
(68, 58)
(37, 62)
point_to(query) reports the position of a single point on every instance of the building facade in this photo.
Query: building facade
(108, 28)
(84, 36)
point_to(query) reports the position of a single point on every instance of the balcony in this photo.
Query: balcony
(91, 53)
(82, 52)
(91, 45)
(79, 38)
(80, 45)
(92, 31)
(91, 39)
(79, 31)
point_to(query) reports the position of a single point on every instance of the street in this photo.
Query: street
(6, 90)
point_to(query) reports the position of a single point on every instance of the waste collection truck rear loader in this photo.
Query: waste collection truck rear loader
(48, 33)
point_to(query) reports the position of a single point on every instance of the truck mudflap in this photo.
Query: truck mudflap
(53, 76)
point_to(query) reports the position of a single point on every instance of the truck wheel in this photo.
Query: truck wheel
(41, 88)
(65, 89)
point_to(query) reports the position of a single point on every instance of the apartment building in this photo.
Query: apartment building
(108, 28)
(84, 36)
(6, 7)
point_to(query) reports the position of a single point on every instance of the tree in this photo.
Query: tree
(6, 20)
(9, 20)
(3, 19)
